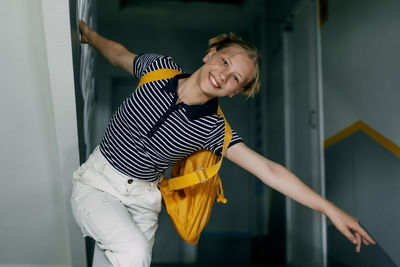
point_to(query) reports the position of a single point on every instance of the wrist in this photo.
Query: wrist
(328, 208)
(91, 37)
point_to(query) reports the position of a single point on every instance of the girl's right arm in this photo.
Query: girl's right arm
(114, 52)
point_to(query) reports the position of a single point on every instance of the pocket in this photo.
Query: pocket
(103, 217)
(146, 199)
(77, 206)
(159, 199)
(117, 181)
(77, 188)
(78, 174)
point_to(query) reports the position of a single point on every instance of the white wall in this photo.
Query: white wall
(37, 135)
(361, 63)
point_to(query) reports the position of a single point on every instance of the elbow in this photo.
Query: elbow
(116, 60)
(118, 54)
(271, 173)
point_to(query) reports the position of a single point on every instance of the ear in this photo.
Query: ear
(209, 54)
(230, 95)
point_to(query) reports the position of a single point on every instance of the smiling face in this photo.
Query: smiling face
(225, 72)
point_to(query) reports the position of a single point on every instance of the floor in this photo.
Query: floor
(215, 265)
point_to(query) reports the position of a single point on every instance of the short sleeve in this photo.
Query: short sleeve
(144, 63)
(216, 137)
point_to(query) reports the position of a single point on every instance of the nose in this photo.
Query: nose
(222, 75)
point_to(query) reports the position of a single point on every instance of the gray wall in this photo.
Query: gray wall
(360, 49)
(362, 177)
(361, 62)
(360, 73)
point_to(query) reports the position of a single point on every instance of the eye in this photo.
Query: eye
(236, 78)
(224, 62)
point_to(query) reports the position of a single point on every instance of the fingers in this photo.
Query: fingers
(82, 26)
(350, 228)
(82, 23)
(365, 236)
(358, 246)
(360, 236)
(347, 233)
(84, 30)
(354, 238)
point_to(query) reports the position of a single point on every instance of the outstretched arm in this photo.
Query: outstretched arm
(114, 52)
(281, 179)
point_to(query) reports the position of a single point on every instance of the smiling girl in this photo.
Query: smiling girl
(115, 197)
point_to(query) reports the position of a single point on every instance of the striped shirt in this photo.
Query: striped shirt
(150, 132)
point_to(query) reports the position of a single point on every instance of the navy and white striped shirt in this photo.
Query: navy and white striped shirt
(150, 132)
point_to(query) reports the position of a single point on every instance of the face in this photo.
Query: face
(225, 72)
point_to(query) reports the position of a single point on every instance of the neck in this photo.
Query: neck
(189, 91)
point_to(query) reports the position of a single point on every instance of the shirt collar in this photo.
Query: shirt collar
(192, 111)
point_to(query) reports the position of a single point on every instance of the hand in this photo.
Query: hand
(85, 31)
(350, 228)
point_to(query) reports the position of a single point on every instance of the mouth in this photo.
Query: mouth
(213, 81)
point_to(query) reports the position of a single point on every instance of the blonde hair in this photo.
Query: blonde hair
(227, 40)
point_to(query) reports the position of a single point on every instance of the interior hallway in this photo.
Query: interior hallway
(352, 58)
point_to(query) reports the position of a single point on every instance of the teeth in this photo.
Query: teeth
(215, 83)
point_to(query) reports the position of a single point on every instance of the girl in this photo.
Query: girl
(115, 196)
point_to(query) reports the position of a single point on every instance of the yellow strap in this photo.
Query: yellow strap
(201, 175)
(220, 194)
(158, 75)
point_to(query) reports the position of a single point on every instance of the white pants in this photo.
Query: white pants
(120, 214)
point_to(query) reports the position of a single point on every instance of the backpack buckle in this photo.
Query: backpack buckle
(205, 174)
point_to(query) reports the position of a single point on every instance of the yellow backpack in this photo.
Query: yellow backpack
(195, 183)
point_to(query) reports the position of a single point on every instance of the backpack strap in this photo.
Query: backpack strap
(201, 175)
(156, 75)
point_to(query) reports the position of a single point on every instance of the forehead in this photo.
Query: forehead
(240, 61)
(232, 50)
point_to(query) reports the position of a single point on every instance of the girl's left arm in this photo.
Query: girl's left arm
(281, 179)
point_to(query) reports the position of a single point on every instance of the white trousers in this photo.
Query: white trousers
(119, 212)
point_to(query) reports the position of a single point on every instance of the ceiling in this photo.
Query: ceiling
(219, 15)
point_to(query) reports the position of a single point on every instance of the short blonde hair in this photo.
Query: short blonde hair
(227, 40)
